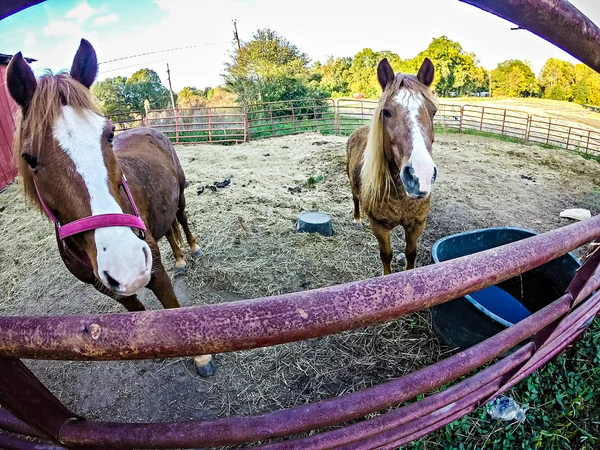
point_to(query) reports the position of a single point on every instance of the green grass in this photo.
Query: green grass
(564, 397)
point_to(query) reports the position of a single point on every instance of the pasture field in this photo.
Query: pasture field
(246, 232)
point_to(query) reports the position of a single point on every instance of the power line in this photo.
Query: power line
(163, 51)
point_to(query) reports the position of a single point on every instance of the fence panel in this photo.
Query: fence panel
(232, 125)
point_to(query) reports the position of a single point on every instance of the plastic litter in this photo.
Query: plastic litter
(505, 408)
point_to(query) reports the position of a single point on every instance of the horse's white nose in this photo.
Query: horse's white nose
(124, 260)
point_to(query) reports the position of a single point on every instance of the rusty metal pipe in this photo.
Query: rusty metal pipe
(9, 422)
(393, 444)
(393, 434)
(286, 318)
(343, 437)
(314, 416)
(556, 21)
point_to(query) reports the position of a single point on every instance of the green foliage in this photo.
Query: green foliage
(457, 72)
(564, 397)
(514, 78)
(122, 95)
(333, 76)
(112, 95)
(145, 85)
(269, 68)
(190, 97)
(556, 79)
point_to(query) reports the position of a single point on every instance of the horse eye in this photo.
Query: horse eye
(30, 160)
(386, 113)
(111, 136)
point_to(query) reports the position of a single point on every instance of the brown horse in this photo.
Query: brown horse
(75, 169)
(389, 163)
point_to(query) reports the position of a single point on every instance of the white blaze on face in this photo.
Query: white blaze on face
(420, 158)
(121, 256)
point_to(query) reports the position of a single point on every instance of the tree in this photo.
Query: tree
(556, 79)
(334, 75)
(456, 72)
(145, 85)
(112, 96)
(190, 97)
(268, 68)
(514, 78)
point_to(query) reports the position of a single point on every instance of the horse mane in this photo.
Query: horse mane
(376, 179)
(34, 126)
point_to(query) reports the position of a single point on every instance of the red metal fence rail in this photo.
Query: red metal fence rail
(32, 410)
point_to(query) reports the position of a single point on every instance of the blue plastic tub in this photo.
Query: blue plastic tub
(473, 318)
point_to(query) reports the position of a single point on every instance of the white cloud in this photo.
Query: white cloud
(103, 20)
(62, 28)
(30, 40)
(81, 12)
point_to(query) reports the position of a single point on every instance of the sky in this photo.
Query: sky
(50, 32)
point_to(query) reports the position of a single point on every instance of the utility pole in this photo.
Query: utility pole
(170, 88)
(236, 36)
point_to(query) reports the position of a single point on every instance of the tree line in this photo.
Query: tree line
(270, 68)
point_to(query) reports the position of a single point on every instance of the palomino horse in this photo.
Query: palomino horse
(100, 190)
(389, 164)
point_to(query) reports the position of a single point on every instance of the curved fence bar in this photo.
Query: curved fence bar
(10, 423)
(286, 318)
(554, 21)
(316, 415)
(416, 410)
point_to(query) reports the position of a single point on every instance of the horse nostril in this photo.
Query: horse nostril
(114, 284)
(408, 172)
(434, 175)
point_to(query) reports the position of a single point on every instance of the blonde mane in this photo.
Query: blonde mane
(376, 179)
(34, 127)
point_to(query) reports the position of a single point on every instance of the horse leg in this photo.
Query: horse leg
(412, 233)
(160, 284)
(175, 241)
(357, 222)
(183, 220)
(383, 236)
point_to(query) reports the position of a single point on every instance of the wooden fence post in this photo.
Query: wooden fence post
(209, 125)
(314, 103)
(176, 126)
(462, 112)
(293, 116)
(246, 130)
(549, 125)
(503, 121)
(587, 144)
(272, 122)
(569, 137)
(481, 121)
(336, 115)
(528, 127)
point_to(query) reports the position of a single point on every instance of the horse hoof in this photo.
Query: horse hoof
(358, 225)
(206, 371)
(179, 270)
(196, 253)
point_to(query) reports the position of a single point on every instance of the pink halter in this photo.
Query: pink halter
(94, 222)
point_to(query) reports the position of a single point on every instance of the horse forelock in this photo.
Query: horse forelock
(33, 134)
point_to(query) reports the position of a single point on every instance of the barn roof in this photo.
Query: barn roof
(5, 59)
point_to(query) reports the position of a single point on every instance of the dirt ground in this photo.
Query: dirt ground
(246, 231)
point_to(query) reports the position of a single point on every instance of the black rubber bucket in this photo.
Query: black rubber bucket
(473, 318)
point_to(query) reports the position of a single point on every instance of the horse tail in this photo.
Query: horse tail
(176, 232)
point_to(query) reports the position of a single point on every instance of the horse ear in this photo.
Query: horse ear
(85, 64)
(426, 72)
(20, 80)
(385, 73)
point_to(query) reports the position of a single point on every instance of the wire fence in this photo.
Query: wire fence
(234, 125)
